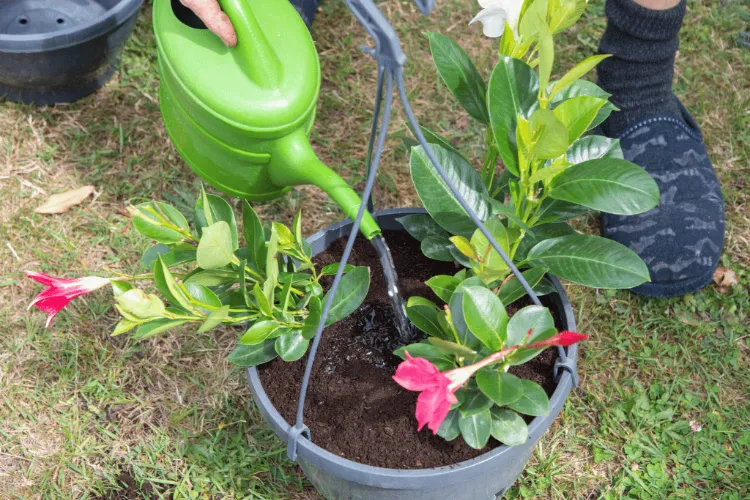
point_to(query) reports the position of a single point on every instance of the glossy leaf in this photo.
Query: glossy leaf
(460, 75)
(553, 210)
(512, 290)
(252, 355)
(457, 312)
(508, 427)
(536, 319)
(577, 114)
(513, 90)
(263, 304)
(541, 233)
(315, 310)
(419, 226)
(423, 314)
(259, 332)
(215, 247)
(437, 248)
(214, 319)
(501, 387)
(449, 429)
(590, 261)
(167, 285)
(451, 348)
(140, 305)
(593, 147)
(155, 327)
(485, 316)
(464, 246)
(171, 256)
(475, 429)
(210, 209)
(609, 185)
(533, 400)
(255, 238)
(150, 219)
(351, 292)
(435, 138)
(546, 47)
(204, 298)
(550, 135)
(213, 277)
(424, 350)
(443, 286)
(272, 266)
(564, 13)
(291, 345)
(438, 199)
(577, 72)
(474, 402)
(586, 88)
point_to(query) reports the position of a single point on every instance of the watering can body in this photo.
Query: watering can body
(240, 116)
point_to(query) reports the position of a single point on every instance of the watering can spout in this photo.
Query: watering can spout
(295, 162)
(254, 54)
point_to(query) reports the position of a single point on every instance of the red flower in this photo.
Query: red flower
(562, 339)
(436, 398)
(61, 291)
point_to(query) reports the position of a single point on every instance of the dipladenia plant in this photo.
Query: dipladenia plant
(553, 171)
(270, 287)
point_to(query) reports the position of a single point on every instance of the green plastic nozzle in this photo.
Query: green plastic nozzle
(240, 117)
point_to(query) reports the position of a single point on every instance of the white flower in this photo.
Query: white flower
(494, 15)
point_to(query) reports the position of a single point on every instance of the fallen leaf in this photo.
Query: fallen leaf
(61, 202)
(725, 278)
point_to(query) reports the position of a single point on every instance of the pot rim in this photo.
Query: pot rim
(75, 35)
(382, 476)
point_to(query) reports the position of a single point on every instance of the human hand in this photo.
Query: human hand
(214, 18)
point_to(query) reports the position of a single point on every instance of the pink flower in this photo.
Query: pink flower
(562, 339)
(61, 291)
(436, 398)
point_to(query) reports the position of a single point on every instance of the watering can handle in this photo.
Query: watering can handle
(253, 52)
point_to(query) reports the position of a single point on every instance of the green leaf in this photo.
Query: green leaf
(535, 318)
(210, 209)
(485, 316)
(577, 114)
(464, 246)
(123, 326)
(475, 429)
(252, 355)
(546, 48)
(419, 226)
(533, 15)
(332, 269)
(160, 222)
(437, 248)
(255, 237)
(538, 234)
(533, 400)
(286, 239)
(508, 427)
(153, 328)
(351, 292)
(423, 314)
(263, 304)
(438, 199)
(457, 312)
(205, 298)
(608, 185)
(564, 13)
(215, 246)
(513, 90)
(443, 286)
(494, 265)
(449, 429)
(549, 134)
(297, 228)
(452, 348)
(136, 303)
(552, 210)
(119, 287)
(167, 285)
(590, 261)
(291, 346)
(586, 88)
(214, 319)
(272, 266)
(593, 147)
(475, 402)
(213, 277)
(424, 350)
(259, 332)
(460, 75)
(435, 138)
(512, 290)
(501, 387)
(315, 310)
(577, 72)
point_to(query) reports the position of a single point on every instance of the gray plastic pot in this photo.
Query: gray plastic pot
(483, 478)
(57, 51)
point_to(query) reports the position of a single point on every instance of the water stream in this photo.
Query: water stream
(405, 329)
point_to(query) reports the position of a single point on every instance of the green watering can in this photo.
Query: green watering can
(240, 117)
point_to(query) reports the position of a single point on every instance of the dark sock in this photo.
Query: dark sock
(643, 43)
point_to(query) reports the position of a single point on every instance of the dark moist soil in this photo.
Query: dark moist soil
(354, 408)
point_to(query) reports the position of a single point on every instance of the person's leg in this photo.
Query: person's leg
(681, 240)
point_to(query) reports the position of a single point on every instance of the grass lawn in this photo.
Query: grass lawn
(86, 415)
